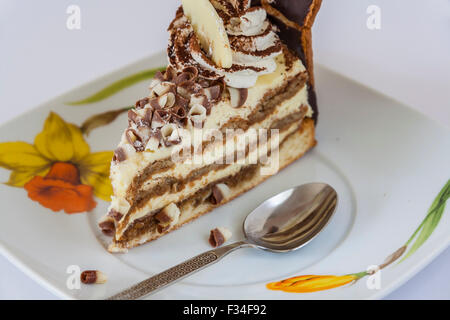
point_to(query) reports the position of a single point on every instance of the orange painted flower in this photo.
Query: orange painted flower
(58, 170)
(312, 283)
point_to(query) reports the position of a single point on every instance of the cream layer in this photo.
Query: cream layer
(162, 201)
(122, 173)
(216, 151)
(212, 154)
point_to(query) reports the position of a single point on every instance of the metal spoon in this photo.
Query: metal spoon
(283, 223)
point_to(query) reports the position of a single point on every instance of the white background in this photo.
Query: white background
(407, 59)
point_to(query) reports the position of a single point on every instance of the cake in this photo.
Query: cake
(235, 105)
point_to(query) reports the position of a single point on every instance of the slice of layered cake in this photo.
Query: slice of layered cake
(235, 105)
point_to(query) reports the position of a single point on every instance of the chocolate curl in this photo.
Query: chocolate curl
(159, 76)
(140, 118)
(154, 103)
(134, 139)
(115, 215)
(170, 134)
(107, 225)
(179, 114)
(221, 83)
(154, 140)
(197, 114)
(188, 88)
(180, 101)
(219, 236)
(213, 93)
(160, 118)
(119, 155)
(163, 88)
(170, 74)
(132, 117)
(188, 74)
(205, 83)
(142, 103)
(183, 89)
(147, 118)
(238, 97)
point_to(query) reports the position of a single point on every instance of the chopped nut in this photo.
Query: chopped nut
(167, 217)
(219, 236)
(219, 193)
(93, 276)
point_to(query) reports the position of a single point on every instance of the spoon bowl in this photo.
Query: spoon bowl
(291, 219)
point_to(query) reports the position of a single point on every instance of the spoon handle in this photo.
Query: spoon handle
(176, 273)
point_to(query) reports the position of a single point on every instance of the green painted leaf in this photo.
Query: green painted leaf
(118, 86)
(430, 222)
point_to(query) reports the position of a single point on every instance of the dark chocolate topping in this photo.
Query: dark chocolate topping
(302, 13)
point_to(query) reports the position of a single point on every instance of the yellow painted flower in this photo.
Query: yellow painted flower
(312, 283)
(58, 170)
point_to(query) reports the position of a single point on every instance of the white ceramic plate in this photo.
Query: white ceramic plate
(387, 162)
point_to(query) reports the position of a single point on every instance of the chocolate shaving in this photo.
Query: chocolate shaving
(134, 139)
(171, 142)
(188, 74)
(160, 118)
(216, 196)
(154, 103)
(170, 73)
(147, 119)
(181, 102)
(119, 155)
(108, 227)
(216, 238)
(163, 217)
(162, 229)
(243, 95)
(159, 76)
(214, 92)
(141, 103)
(115, 215)
(185, 86)
(88, 276)
(238, 97)
(132, 116)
